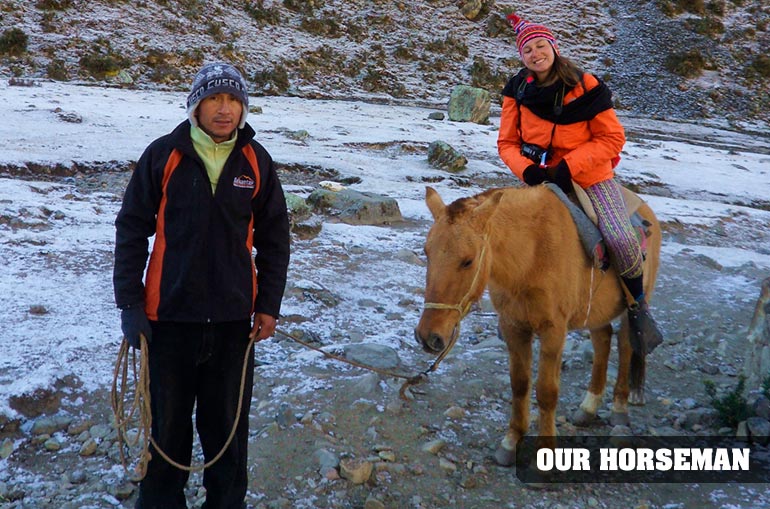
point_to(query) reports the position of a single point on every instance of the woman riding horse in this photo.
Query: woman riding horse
(558, 125)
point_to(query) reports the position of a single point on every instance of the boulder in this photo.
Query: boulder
(443, 156)
(472, 8)
(757, 365)
(355, 207)
(469, 104)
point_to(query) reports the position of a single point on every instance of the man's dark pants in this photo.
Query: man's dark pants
(203, 363)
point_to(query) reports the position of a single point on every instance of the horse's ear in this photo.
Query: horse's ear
(434, 202)
(484, 211)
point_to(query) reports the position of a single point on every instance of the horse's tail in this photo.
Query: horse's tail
(637, 372)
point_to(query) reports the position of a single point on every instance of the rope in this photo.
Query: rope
(141, 404)
(409, 380)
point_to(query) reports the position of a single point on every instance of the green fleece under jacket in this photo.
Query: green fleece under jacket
(213, 154)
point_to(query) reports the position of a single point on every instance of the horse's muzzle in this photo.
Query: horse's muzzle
(434, 343)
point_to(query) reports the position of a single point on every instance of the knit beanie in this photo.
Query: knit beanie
(526, 31)
(217, 78)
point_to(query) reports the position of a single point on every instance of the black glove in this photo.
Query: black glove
(561, 176)
(133, 321)
(534, 175)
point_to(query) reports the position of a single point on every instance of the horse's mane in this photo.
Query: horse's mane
(461, 206)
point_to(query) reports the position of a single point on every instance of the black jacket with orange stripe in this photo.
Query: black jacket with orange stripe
(201, 267)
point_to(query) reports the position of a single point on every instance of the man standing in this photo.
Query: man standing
(210, 195)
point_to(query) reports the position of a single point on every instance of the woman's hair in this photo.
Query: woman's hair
(562, 69)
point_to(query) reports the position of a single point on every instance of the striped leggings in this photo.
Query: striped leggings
(619, 235)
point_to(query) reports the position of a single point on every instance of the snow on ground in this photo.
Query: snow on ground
(57, 316)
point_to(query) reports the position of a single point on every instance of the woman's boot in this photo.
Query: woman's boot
(645, 334)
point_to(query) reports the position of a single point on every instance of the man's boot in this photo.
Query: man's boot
(645, 335)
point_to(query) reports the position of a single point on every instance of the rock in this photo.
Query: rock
(757, 364)
(297, 207)
(700, 416)
(100, 431)
(759, 430)
(409, 256)
(472, 8)
(330, 185)
(122, 491)
(123, 78)
(71, 117)
(444, 157)
(88, 448)
(50, 424)
(434, 446)
(299, 135)
(79, 426)
(52, 444)
(447, 466)
(707, 262)
(354, 207)
(6, 448)
(372, 354)
(762, 407)
(77, 476)
(742, 432)
(285, 416)
(356, 471)
(373, 503)
(389, 456)
(469, 104)
(309, 291)
(307, 229)
(327, 460)
(367, 384)
(436, 115)
(455, 412)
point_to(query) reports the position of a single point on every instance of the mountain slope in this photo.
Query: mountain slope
(405, 51)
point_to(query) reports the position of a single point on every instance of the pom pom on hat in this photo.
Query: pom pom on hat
(526, 31)
(217, 78)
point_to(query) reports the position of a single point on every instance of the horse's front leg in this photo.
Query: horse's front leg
(548, 377)
(519, 341)
(601, 340)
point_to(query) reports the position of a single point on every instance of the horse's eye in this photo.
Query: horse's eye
(466, 263)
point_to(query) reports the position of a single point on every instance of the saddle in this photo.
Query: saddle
(586, 221)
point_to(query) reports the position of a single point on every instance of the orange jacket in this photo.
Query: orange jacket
(588, 146)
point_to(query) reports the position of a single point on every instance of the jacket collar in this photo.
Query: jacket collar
(180, 138)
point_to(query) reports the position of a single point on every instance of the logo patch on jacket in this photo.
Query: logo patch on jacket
(244, 182)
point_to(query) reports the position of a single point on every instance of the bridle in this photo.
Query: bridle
(462, 308)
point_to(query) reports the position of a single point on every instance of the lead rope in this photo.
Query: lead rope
(141, 404)
(141, 401)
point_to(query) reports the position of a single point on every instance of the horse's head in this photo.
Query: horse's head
(458, 266)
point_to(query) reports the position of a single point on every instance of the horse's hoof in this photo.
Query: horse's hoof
(620, 419)
(582, 418)
(636, 397)
(505, 457)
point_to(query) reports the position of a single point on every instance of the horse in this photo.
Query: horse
(524, 246)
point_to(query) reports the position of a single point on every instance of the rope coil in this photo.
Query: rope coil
(141, 403)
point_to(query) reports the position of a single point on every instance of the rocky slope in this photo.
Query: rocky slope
(404, 51)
